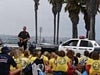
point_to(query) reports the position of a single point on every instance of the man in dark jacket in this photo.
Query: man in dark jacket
(6, 61)
(23, 38)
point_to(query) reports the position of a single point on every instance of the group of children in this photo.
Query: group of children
(56, 63)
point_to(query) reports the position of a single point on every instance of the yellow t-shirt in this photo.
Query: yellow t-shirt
(22, 55)
(79, 59)
(12, 68)
(62, 64)
(52, 64)
(24, 62)
(45, 59)
(18, 61)
(88, 62)
(32, 59)
(95, 67)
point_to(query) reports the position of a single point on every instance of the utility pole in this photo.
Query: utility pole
(40, 33)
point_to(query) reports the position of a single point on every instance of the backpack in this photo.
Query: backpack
(27, 70)
(37, 68)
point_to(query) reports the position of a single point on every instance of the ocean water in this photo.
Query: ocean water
(14, 39)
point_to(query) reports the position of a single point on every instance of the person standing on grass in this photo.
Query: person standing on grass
(23, 38)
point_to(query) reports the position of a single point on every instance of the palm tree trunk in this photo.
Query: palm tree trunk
(92, 28)
(92, 7)
(87, 33)
(36, 26)
(86, 20)
(74, 31)
(58, 27)
(75, 19)
(54, 29)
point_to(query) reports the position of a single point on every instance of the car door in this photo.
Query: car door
(71, 44)
(85, 45)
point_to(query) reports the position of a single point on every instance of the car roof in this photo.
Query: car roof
(93, 41)
(81, 39)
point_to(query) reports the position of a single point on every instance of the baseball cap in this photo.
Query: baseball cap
(5, 49)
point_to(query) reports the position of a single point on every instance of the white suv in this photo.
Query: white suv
(79, 45)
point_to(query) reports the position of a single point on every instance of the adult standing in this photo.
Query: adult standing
(23, 38)
(6, 61)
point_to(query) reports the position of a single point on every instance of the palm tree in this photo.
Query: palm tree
(89, 11)
(92, 7)
(73, 9)
(36, 8)
(59, 6)
(87, 23)
(54, 10)
(86, 19)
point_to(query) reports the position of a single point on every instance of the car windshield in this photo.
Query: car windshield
(71, 43)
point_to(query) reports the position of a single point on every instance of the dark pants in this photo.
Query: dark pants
(23, 44)
(59, 73)
(3, 73)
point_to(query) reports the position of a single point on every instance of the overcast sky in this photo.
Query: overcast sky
(14, 14)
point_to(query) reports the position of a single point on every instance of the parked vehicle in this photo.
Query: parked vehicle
(44, 47)
(97, 49)
(79, 45)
